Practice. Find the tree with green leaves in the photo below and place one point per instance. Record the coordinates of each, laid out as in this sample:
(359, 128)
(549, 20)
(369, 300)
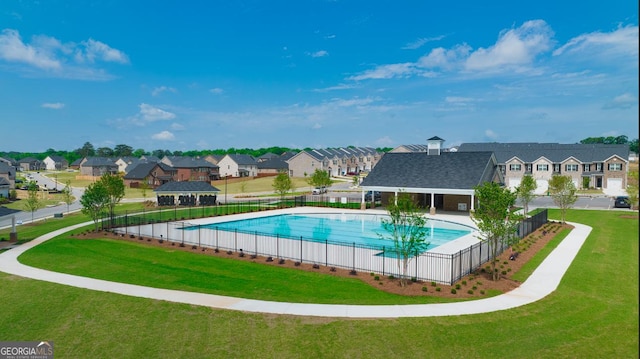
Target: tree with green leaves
(563, 191)
(67, 195)
(32, 203)
(632, 187)
(406, 228)
(525, 192)
(496, 219)
(95, 201)
(282, 184)
(114, 185)
(319, 178)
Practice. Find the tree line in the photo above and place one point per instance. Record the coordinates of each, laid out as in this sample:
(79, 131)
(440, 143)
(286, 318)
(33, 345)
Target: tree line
(123, 150)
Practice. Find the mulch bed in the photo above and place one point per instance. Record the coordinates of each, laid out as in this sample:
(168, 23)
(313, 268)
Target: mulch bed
(480, 279)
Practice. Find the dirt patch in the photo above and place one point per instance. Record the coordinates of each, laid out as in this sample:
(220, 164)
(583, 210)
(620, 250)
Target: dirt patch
(475, 285)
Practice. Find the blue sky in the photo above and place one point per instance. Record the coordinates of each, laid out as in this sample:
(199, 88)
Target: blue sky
(217, 74)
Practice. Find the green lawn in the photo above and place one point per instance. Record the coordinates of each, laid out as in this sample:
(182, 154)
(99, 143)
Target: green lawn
(594, 313)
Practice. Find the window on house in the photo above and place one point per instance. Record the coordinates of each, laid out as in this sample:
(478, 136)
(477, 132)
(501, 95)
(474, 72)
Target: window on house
(598, 167)
(615, 166)
(571, 168)
(586, 167)
(335, 162)
(516, 167)
(542, 167)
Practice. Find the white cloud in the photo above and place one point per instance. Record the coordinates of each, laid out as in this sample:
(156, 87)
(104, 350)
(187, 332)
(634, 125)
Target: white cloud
(623, 101)
(624, 40)
(490, 135)
(420, 42)
(217, 91)
(387, 72)
(321, 53)
(177, 127)
(54, 105)
(316, 126)
(66, 60)
(158, 90)
(515, 47)
(12, 49)
(163, 136)
(337, 87)
(149, 113)
(443, 58)
(92, 50)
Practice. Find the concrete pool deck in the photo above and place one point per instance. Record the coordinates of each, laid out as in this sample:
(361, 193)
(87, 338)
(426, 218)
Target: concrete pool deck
(542, 282)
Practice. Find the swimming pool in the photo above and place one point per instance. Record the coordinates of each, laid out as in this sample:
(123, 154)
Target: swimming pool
(347, 229)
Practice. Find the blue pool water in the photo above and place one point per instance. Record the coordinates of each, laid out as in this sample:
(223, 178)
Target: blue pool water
(361, 229)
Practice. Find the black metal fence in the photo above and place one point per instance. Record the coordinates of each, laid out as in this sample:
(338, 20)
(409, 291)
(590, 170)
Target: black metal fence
(172, 224)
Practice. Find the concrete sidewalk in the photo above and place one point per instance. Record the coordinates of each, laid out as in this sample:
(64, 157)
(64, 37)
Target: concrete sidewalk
(544, 280)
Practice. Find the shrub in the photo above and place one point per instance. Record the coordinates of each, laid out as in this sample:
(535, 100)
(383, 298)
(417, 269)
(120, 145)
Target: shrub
(376, 277)
(316, 266)
(414, 279)
(482, 292)
(470, 291)
(269, 259)
(474, 287)
(458, 286)
(438, 289)
(372, 274)
(464, 282)
(424, 289)
(332, 269)
(229, 252)
(453, 291)
(194, 247)
(504, 272)
(391, 277)
(433, 284)
(281, 261)
(297, 264)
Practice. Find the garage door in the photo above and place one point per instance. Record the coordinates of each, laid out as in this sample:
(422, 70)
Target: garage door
(542, 186)
(614, 184)
(513, 183)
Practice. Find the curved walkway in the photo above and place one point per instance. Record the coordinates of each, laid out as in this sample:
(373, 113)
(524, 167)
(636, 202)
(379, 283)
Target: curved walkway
(544, 280)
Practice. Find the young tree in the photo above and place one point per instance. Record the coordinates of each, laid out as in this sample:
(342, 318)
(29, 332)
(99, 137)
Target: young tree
(632, 187)
(67, 195)
(563, 192)
(406, 228)
(144, 187)
(115, 190)
(496, 219)
(32, 203)
(525, 193)
(319, 178)
(282, 184)
(94, 201)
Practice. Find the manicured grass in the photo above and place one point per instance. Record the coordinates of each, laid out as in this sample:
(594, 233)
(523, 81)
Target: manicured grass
(532, 264)
(128, 262)
(593, 314)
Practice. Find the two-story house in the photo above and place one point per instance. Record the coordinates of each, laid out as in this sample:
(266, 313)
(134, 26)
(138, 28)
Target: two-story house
(98, 166)
(55, 163)
(588, 165)
(238, 165)
(153, 174)
(192, 169)
(343, 161)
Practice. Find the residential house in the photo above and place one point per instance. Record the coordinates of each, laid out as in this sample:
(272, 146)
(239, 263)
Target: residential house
(5, 186)
(98, 166)
(434, 179)
(8, 173)
(238, 165)
(342, 161)
(192, 169)
(9, 161)
(213, 159)
(272, 167)
(588, 165)
(30, 164)
(422, 148)
(150, 173)
(266, 157)
(125, 164)
(75, 165)
(55, 163)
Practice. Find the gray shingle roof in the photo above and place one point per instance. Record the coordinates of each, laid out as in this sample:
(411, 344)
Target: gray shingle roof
(243, 159)
(186, 187)
(140, 171)
(449, 170)
(274, 163)
(99, 162)
(555, 152)
(188, 162)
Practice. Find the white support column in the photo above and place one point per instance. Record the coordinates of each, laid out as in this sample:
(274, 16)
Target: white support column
(473, 201)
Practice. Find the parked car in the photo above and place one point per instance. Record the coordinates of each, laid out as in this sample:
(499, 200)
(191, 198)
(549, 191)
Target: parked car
(377, 196)
(622, 202)
(319, 190)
